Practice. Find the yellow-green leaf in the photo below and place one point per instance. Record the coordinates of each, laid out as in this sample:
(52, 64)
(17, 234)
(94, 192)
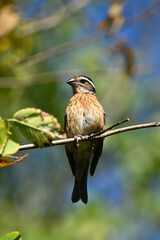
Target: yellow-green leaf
(12, 236)
(3, 132)
(9, 142)
(37, 126)
(12, 143)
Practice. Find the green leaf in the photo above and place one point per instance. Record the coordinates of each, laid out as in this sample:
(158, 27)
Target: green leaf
(12, 144)
(4, 129)
(12, 236)
(37, 126)
(9, 141)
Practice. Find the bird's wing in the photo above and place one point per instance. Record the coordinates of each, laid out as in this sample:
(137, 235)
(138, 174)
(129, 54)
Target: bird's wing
(65, 122)
(71, 161)
(69, 154)
(96, 156)
(97, 152)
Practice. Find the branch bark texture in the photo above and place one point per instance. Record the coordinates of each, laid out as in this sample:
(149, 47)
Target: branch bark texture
(103, 135)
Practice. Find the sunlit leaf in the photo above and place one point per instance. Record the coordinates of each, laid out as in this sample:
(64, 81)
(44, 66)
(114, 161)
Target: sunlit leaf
(114, 19)
(4, 129)
(11, 145)
(37, 126)
(9, 160)
(9, 141)
(9, 19)
(12, 236)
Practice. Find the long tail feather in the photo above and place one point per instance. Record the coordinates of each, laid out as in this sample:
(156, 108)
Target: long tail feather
(83, 187)
(75, 193)
(80, 187)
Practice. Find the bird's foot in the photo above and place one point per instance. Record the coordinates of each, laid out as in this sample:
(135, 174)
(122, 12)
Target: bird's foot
(91, 136)
(77, 140)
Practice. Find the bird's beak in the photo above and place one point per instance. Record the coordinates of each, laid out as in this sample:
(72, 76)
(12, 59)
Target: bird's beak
(72, 82)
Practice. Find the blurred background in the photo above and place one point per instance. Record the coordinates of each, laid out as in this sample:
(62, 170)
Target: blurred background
(116, 43)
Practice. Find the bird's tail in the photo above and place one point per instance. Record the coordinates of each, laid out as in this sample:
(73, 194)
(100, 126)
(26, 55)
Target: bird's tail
(80, 187)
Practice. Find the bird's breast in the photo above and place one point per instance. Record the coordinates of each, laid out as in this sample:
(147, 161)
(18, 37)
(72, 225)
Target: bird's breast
(85, 115)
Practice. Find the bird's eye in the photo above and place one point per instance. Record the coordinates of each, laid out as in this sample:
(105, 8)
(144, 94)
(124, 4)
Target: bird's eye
(82, 81)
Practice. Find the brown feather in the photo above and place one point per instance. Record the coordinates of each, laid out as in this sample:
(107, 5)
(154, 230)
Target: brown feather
(84, 116)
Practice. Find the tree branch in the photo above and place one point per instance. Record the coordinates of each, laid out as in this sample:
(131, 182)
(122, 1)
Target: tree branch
(37, 79)
(103, 135)
(54, 20)
(86, 40)
(70, 8)
(59, 50)
(146, 14)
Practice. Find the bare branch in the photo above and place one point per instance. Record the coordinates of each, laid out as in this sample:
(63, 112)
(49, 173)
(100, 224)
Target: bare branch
(146, 14)
(60, 49)
(103, 135)
(54, 20)
(60, 75)
(77, 43)
(113, 126)
(70, 8)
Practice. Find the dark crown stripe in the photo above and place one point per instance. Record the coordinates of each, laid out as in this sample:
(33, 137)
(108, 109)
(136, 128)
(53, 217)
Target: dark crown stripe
(88, 79)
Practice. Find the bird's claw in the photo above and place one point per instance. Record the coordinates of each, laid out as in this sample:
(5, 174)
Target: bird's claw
(91, 136)
(77, 140)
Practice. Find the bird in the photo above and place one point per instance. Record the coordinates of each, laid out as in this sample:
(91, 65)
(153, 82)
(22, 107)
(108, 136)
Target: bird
(84, 116)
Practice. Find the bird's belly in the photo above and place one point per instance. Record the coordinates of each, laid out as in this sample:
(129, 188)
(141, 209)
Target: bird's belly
(85, 124)
(90, 124)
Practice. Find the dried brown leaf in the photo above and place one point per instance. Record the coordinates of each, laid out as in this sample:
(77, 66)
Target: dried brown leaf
(9, 19)
(8, 160)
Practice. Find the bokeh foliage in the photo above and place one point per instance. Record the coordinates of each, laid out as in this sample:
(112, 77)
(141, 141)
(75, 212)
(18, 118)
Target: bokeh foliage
(109, 41)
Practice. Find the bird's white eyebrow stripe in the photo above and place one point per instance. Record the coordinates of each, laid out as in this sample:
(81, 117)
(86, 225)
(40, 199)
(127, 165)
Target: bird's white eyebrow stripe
(89, 82)
(71, 79)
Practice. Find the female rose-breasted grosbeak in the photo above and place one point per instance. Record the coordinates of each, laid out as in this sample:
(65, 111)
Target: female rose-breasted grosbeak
(84, 116)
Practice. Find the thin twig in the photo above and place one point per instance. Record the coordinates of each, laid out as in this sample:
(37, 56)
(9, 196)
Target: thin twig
(59, 75)
(53, 20)
(146, 14)
(77, 43)
(113, 126)
(70, 8)
(104, 135)
(59, 50)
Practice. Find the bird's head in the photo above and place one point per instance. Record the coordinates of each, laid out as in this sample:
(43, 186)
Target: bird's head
(82, 84)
